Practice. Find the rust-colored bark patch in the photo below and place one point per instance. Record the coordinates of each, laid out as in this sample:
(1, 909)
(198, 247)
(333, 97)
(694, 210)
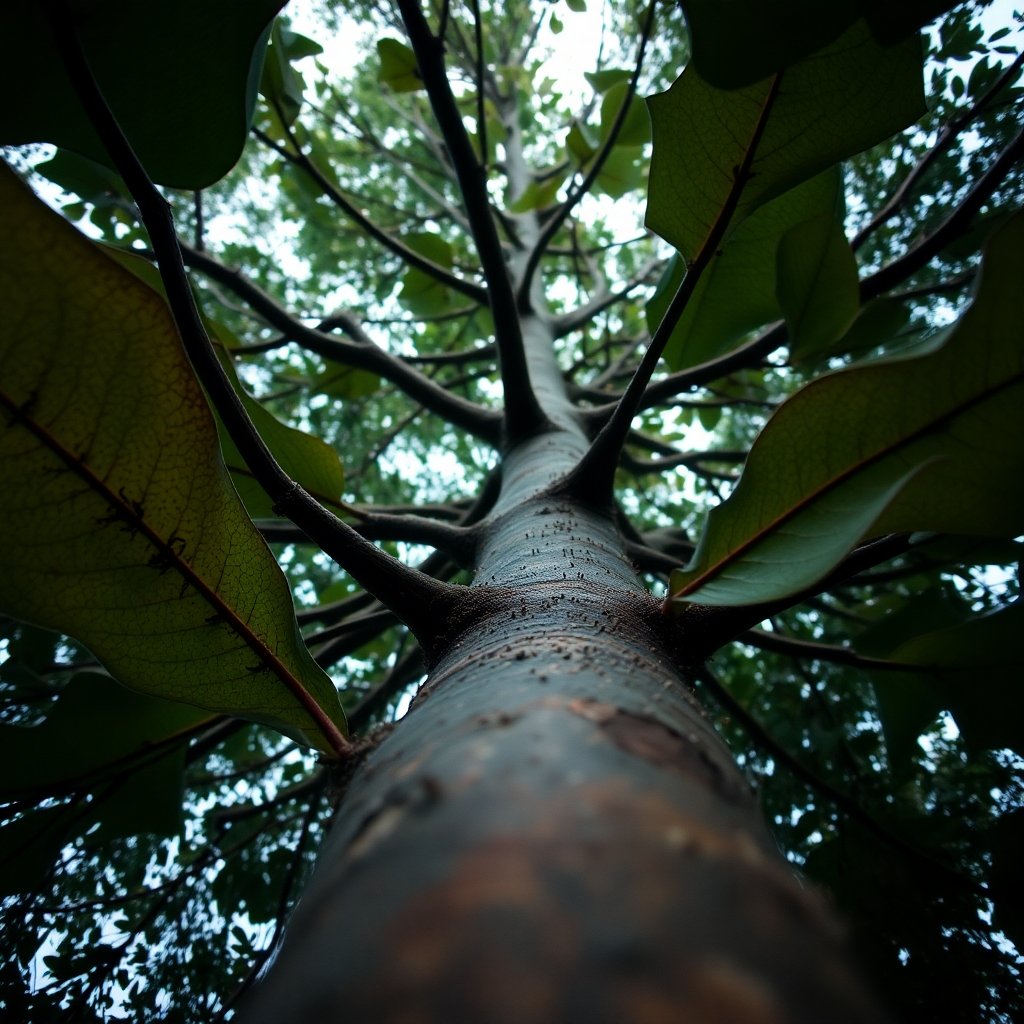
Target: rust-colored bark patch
(659, 744)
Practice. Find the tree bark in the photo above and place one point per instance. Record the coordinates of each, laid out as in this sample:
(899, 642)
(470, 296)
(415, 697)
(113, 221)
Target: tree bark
(554, 833)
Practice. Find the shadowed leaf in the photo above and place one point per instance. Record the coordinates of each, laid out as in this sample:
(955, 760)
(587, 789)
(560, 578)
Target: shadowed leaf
(915, 443)
(186, 112)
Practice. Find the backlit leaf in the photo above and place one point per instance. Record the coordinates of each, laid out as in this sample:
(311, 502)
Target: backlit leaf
(114, 486)
(398, 68)
(833, 104)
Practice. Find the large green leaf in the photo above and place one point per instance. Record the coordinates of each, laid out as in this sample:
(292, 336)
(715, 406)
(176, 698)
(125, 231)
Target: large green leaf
(817, 283)
(790, 126)
(179, 75)
(422, 293)
(96, 727)
(398, 67)
(122, 527)
(118, 754)
(736, 42)
(924, 442)
(737, 292)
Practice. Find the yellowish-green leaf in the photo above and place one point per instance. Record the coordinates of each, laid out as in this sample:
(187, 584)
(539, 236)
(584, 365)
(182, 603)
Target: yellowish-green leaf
(538, 194)
(636, 127)
(915, 443)
(308, 460)
(398, 67)
(602, 81)
(422, 293)
(122, 527)
(580, 148)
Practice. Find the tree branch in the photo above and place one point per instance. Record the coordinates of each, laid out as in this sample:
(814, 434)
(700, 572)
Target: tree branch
(361, 353)
(409, 593)
(660, 391)
(558, 218)
(523, 414)
(408, 256)
(715, 626)
(847, 804)
(582, 315)
(946, 137)
(593, 478)
(958, 222)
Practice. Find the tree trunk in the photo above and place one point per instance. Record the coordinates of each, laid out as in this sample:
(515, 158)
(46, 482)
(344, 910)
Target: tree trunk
(554, 833)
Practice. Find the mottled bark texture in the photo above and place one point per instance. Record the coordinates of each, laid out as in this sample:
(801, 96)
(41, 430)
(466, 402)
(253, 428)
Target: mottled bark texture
(554, 833)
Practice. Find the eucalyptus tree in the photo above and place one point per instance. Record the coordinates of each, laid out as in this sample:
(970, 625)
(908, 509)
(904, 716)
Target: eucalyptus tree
(412, 346)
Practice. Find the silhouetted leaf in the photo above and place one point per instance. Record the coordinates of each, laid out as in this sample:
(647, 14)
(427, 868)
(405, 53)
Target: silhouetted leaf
(186, 113)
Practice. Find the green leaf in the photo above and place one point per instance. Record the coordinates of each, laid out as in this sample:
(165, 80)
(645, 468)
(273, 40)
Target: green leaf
(818, 284)
(879, 323)
(114, 485)
(187, 106)
(621, 172)
(579, 6)
(636, 129)
(346, 381)
(423, 294)
(737, 42)
(737, 292)
(120, 754)
(88, 179)
(398, 68)
(839, 102)
(96, 727)
(975, 671)
(538, 195)
(281, 84)
(579, 146)
(914, 443)
(307, 459)
(602, 81)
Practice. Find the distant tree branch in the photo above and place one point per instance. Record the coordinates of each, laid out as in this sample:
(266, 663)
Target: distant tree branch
(958, 222)
(593, 478)
(945, 139)
(409, 256)
(558, 218)
(750, 353)
(794, 647)
(360, 353)
(582, 315)
(523, 414)
(843, 801)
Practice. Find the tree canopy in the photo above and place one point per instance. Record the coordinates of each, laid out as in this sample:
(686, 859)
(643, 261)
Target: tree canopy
(263, 356)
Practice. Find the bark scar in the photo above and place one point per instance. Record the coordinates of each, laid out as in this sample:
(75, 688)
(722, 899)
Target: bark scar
(657, 743)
